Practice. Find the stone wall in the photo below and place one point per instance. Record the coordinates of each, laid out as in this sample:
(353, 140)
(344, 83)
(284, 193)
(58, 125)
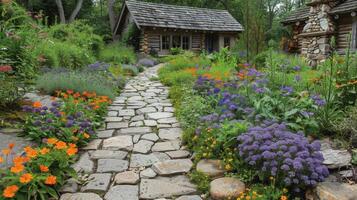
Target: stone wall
(317, 32)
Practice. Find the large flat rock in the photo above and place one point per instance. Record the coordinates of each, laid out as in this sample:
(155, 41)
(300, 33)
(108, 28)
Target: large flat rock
(142, 160)
(154, 188)
(80, 196)
(170, 167)
(332, 191)
(166, 146)
(170, 133)
(212, 168)
(122, 142)
(98, 183)
(123, 192)
(226, 188)
(160, 115)
(112, 165)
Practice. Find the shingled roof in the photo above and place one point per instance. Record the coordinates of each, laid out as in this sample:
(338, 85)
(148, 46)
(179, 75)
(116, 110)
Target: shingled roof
(347, 6)
(300, 14)
(147, 14)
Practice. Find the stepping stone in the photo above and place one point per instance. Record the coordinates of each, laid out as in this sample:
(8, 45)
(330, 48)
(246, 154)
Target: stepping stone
(112, 113)
(70, 186)
(164, 126)
(137, 118)
(143, 146)
(170, 120)
(135, 98)
(124, 142)
(189, 197)
(148, 173)
(123, 192)
(113, 119)
(135, 130)
(160, 115)
(98, 183)
(212, 168)
(169, 109)
(154, 188)
(151, 136)
(93, 145)
(178, 154)
(127, 112)
(105, 134)
(84, 164)
(166, 146)
(136, 138)
(108, 154)
(142, 160)
(147, 110)
(170, 133)
(117, 125)
(226, 188)
(150, 123)
(170, 167)
(136, 124)
(114, 108)
(81, 196)
(112, 165)
(128, 177)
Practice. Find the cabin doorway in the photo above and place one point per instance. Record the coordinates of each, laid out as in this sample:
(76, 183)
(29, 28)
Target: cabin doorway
(211, 42)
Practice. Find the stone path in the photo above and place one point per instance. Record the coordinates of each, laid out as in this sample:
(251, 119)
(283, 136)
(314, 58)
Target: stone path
(139, 154)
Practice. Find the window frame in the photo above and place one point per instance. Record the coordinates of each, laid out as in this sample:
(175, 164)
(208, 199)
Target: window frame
(229, 42)
(162, 43)
(172, 40)
(189, 42)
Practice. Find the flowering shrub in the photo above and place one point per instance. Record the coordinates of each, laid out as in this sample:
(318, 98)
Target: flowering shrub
(274, 151)
(39, 173)
(73, 120)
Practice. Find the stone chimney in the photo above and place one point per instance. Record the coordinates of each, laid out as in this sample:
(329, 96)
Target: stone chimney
(317, 32)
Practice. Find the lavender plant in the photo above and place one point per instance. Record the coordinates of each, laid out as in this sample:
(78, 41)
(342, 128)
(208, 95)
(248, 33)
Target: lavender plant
(277, 153)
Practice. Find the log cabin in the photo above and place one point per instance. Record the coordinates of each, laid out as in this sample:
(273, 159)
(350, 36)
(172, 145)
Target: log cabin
(315, 24)
(161, 27)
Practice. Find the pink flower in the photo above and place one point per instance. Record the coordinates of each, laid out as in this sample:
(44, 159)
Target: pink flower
(5, 68)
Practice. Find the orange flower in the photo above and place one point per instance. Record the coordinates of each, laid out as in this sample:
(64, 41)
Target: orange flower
(19, 160)
(69, 91)
(61, 145)
(17, 168)
(44, 151)
(283, 197)
(44, 168)
(52, 140)
(72, 151)
(71, 145)
(11, 145)
(1, 159)
(86, 135)
(6, 151)
(30, 152)
(26, 178)
(37, 104)
(76, 95)
(10, 191)
(51, 180)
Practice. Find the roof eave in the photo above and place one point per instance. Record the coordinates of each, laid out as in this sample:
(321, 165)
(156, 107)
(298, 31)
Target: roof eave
(124, 6)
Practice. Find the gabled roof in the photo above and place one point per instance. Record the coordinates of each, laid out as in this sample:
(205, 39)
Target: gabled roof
(147, 14)
(347, 6)
(300, 14)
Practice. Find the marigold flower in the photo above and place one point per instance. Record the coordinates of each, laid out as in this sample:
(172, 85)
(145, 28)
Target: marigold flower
(72, 151)
(17, 168)
(11, 145)
(44, 151)
(76, 95)
(26, 178)
(30, 152)
(18, 160)
(51, 180)
(69, 91)
(86, 135)
(6, 151)
(10, 191)
(37, 104)
(71, 145)
(44, 168)
(1, 159)
(61, 145)
(283, 197)
(52, 140)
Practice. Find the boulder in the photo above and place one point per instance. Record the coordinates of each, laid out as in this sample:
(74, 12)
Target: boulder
(212, 168)
(226, 188)
(332, 191)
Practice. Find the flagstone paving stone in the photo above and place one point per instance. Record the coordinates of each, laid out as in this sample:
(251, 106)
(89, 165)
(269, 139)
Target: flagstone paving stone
(140, 142)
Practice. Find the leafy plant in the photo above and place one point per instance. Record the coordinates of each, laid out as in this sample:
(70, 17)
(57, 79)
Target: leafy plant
(201, 180)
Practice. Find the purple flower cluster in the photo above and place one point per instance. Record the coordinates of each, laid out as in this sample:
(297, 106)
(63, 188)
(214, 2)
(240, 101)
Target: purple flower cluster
(286, 90)
(318, 100)
(275, 151)
(205, 86)
(98, 66)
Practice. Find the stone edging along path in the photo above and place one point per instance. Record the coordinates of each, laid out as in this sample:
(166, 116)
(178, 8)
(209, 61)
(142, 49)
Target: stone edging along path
(139, 154)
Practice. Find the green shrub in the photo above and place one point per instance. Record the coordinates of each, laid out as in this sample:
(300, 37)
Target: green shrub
(63, 54)
(201, 180)
(130, 70)
(118, 53)
(10, 93)
(177, 78)
(76, 81)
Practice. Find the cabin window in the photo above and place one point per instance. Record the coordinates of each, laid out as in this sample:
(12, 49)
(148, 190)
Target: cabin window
(186, 42)
(227, 42)
(176, 41)
(165, 42)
